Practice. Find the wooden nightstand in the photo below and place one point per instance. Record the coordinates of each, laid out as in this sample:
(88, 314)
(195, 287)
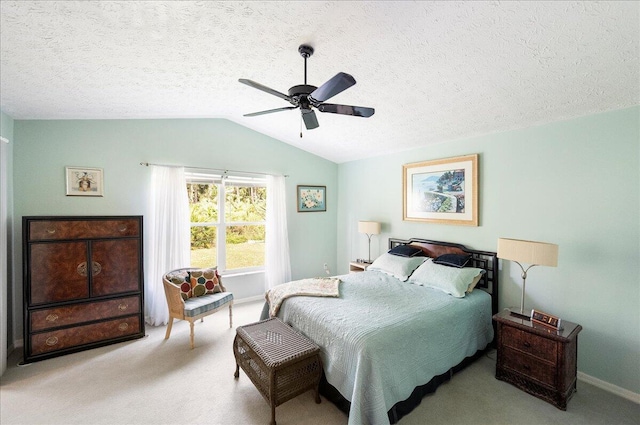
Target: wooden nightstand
(355, 267)
(537, 359)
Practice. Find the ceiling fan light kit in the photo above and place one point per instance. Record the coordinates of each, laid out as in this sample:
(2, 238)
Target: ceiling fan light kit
(307, 97)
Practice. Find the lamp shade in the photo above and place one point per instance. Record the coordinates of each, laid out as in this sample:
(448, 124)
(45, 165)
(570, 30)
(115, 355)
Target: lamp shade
(529, 252)
(369, 227)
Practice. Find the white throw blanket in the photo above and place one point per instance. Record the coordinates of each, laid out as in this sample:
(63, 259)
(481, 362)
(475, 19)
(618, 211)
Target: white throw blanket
(314, 287)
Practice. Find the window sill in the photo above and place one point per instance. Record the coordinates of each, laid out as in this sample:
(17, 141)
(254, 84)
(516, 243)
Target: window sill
(237, 274)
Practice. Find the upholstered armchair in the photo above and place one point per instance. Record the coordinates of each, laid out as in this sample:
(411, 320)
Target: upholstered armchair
(193, 294)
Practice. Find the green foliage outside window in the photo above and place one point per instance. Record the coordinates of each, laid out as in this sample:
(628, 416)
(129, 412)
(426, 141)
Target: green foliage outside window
(244, 243)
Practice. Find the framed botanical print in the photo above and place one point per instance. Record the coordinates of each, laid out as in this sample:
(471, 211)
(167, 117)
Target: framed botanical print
(442, 191)
(312, 198)
(83, 181)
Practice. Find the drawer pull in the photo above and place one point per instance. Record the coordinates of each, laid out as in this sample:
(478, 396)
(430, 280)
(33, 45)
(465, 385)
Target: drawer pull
(82, 269)
(96, 268)
(51, 231)
(123, 306)
(526, 367)
(51, 318)
(527, 344)
(122, 228)
(51, 341)
(123, 326)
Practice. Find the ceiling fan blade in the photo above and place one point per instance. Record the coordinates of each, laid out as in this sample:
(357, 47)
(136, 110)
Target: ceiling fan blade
(339, 83)
(310, 120)
(255, 114)
(265, 89)
(358, 111)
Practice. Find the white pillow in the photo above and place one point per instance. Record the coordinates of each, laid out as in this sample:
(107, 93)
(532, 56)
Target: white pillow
(451, 280)
(399, 267)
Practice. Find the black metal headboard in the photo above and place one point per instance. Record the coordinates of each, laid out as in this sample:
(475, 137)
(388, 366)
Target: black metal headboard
(481, 259)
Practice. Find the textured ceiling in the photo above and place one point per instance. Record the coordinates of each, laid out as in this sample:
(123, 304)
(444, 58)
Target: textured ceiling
(433, 71)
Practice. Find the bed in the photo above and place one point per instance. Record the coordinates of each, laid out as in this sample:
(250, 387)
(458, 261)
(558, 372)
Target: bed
(387, 342)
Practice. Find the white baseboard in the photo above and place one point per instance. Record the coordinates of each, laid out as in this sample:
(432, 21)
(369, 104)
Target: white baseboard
(249, 299)
(619, 391)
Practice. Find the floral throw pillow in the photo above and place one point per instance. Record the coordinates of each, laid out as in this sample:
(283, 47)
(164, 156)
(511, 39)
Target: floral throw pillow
(204, 281)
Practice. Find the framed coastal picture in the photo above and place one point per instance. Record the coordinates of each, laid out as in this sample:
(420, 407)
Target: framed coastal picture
(83, 181)
(312, 198)
(442, 191)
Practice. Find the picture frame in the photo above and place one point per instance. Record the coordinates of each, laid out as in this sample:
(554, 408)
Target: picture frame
(84, 181)
(441, 191)
(312, 198)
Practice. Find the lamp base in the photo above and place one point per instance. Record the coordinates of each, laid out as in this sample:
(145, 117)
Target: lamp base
(519, 313)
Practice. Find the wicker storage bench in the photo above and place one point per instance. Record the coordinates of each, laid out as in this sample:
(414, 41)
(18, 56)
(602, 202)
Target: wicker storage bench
(280, 362)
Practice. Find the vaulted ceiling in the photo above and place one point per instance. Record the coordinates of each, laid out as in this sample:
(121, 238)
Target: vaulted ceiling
(434, 71)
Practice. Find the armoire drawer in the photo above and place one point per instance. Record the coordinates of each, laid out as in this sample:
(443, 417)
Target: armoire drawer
(63, 339)
(50, 318)
(82, 229)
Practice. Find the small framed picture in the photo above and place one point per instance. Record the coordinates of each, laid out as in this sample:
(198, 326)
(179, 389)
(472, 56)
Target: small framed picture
(312, 198)
(546, 319)
(83, 181)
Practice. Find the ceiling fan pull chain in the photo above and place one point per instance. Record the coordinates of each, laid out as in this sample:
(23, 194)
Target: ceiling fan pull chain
(301, 126)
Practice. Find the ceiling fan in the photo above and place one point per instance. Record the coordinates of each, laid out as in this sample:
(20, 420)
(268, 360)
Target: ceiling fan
(307, 97)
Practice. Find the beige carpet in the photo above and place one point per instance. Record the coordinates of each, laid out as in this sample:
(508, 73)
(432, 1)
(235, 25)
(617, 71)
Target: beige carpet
(153, 381)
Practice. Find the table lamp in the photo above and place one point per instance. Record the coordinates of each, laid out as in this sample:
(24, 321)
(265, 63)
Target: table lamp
(529, 252)
(369, 228)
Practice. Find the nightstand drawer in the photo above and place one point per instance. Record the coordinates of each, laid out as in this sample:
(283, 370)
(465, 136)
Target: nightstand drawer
(530, 366)
(529, 343)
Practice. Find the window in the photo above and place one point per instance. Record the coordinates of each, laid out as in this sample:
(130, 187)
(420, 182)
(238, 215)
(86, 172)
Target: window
(228, 220)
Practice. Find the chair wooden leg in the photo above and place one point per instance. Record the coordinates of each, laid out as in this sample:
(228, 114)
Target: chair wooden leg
(166, 336)
(192, 337)
(230, 316)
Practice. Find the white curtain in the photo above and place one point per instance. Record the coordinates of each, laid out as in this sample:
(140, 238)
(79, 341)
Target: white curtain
(4, 249)
(169, 242)
(278, 265)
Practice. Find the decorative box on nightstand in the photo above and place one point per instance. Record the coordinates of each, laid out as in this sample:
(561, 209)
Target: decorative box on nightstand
(355, 266)
(537, 359)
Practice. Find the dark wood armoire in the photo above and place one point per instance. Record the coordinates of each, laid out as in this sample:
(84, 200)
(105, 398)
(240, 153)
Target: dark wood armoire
(83, 283)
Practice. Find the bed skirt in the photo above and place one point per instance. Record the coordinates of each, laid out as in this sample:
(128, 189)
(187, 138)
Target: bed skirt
(401, 408)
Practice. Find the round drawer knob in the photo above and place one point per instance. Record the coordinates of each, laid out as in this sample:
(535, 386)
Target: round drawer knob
(51, 341)
(82, 269)
(123, 326)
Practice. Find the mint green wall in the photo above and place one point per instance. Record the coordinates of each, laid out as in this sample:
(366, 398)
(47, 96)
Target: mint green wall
(43, 149)
(574, 183)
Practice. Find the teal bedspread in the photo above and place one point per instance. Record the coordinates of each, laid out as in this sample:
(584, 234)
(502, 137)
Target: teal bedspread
(382, 338)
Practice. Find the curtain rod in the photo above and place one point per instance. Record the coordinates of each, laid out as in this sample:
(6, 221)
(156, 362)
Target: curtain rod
(224, 171)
